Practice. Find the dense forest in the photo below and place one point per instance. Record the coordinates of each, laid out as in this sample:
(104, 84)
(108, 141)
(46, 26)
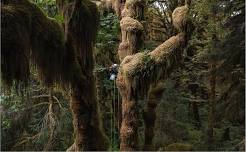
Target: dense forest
(122, 75)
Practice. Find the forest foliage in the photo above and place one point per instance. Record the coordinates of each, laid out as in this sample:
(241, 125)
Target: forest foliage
(35, 117)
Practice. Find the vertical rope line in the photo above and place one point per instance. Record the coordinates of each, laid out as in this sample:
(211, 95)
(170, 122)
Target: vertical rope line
(118, 102)
(111, 125)
(114, 113)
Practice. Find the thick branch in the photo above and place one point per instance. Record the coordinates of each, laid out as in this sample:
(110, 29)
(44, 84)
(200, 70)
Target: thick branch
(142, 69)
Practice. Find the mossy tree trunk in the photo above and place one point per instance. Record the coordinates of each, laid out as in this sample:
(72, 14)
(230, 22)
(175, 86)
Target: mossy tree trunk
(30, 37)
(196, 114)
(131, 28)
(212, 83)
(138, 71)
(129, 124)
(81, 23)
(87, 127)
(131, 12)
(149, 115)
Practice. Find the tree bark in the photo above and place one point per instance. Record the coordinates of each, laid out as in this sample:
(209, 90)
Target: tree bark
(149, 115)
(131, 31)
(212, 83)
(129, 125)
(80, 38)
(87, 127)
(196, 114)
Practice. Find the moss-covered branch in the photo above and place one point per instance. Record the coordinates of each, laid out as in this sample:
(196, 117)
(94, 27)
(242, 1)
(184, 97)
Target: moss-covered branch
(142, 69)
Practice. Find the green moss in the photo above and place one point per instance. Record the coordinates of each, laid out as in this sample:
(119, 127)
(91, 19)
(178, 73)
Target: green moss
(48, 46)
(15, 40)
(179, 147)
(29, 37)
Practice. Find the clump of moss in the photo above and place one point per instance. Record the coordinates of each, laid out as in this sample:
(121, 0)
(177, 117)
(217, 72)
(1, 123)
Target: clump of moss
(28, 36)
(15, 46)
(47, 47)
(122, 50)
(179, 16)
(131, 36)
(133, 9)
(179, 147)
(130, 24)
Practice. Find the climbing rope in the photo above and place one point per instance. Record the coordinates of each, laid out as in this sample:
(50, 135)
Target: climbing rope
(118, 102)
(114, 115)
(115, 123)
(115, 104)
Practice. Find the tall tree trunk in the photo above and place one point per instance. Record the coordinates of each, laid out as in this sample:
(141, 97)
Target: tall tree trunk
(149, 115)
(212, 83)
(80, 37)
(129, 125)
(136, 74)
(87, 127)
(196, 114)
(132, 12)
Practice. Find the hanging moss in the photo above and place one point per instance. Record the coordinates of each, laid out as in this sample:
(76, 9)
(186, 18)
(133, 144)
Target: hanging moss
(15, 40)
(132, 31)
(138, 71)
(28, 36)
(48, 47)
(82, 29)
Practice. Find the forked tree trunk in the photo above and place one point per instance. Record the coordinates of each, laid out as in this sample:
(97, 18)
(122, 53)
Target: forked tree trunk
(137, 72)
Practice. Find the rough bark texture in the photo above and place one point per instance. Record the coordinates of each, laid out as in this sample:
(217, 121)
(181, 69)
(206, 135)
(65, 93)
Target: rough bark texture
(149, 115)
(84, 106)
(87, 127)
(196, 114)
(132, 12)
(212, 83)
(137, 72)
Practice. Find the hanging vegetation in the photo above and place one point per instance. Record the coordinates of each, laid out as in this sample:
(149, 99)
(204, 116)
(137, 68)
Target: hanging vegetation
(31, 38)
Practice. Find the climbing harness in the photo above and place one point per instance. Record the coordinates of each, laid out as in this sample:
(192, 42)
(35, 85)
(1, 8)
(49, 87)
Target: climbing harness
(113, 71)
